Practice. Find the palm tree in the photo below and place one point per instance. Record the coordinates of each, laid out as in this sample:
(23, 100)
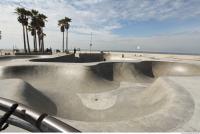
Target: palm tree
(36, 27)
(41, 24)
(67, 20)
(42, 40)
(21, 12)
(64, 24)
(33, 25)
(27, 15)
(62, 29)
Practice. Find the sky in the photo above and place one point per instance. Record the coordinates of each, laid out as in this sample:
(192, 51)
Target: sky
(153, 25)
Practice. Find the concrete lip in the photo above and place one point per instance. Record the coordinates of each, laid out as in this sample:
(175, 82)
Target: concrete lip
(111, 96)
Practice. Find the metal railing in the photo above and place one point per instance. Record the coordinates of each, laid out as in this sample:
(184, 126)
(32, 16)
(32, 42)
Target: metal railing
(32, 120)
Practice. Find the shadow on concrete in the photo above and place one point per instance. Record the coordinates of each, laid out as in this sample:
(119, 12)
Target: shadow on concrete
(80, 58)
(38, 100)
(7, 58)
(23, 92)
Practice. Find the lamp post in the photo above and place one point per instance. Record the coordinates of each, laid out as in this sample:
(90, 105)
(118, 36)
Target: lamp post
(90, 43)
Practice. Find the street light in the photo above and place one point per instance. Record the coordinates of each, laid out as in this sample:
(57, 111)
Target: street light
(90, 48)
(90, 43)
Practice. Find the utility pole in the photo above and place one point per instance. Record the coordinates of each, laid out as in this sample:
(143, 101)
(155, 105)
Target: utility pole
(90, 43)
(0, 39)
(13, 49)
(0, 34)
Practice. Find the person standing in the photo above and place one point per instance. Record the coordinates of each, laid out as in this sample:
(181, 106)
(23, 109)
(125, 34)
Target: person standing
(74, 50)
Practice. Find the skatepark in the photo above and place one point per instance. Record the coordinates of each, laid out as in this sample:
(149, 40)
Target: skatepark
(100, 66)
(134, 93)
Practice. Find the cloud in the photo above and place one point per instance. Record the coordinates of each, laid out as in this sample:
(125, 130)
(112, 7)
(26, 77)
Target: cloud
(101, 17)
(106, 14)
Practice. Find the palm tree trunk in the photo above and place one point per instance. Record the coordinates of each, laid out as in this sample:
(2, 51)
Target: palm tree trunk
(27, 40)
(25, 50)
(67, 40)
(39, 43)
(63, 41)
(43, 44)
(34, 43)
(35, 40)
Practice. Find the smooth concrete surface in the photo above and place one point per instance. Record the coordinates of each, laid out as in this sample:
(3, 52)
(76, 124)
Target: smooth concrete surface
(145, 93)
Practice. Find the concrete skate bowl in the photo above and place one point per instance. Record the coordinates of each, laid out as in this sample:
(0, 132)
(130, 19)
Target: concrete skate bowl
(81, 58)
(9, 58)
(107, 96)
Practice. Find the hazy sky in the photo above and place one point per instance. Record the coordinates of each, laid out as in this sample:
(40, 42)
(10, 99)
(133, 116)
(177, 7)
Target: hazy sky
(154, 25)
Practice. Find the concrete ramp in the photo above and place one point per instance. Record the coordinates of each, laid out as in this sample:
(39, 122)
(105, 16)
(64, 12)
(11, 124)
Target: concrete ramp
(175, 69)
(163, 107)
(144, 71)
(107, 96)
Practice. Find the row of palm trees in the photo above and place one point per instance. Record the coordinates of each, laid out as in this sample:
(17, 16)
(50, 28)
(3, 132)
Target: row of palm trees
(34, 22)
(64, 26)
